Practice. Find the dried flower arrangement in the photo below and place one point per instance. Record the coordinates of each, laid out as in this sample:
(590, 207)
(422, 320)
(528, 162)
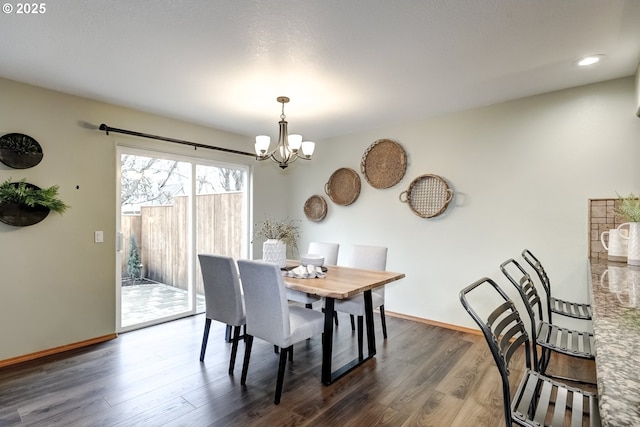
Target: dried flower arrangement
(286, 230)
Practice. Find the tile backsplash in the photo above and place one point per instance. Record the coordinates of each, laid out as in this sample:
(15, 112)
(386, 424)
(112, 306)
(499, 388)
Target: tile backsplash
(602, 217)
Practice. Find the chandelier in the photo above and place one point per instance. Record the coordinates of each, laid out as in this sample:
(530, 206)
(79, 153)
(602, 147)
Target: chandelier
(289, 148)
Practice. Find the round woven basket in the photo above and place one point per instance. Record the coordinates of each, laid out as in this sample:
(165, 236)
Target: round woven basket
(427, 196)
(384, 163)
(343, 187)
(315, 208)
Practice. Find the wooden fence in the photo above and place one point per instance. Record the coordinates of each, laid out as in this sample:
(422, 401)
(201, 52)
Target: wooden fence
(163, 237)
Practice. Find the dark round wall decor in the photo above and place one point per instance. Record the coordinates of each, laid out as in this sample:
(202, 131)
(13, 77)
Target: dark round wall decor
(19, 151)
(21, 215)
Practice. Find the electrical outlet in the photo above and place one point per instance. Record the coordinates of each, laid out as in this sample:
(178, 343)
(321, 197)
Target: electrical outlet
(98, 237)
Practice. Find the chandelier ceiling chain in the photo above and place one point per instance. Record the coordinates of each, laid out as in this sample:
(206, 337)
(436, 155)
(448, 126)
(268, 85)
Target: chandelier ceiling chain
(289, 147)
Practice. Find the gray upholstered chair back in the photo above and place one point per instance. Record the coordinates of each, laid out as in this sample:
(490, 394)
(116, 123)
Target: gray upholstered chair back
(222, 289)
(369, 258)
(328, 250)
(266, 302)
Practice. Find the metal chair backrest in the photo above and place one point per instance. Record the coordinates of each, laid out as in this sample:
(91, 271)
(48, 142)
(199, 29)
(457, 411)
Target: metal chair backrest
(576, 310)
(529, 294)
(504, 332)
(542, 275)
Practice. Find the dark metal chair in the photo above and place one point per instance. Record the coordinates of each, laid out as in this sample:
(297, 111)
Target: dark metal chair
(538, 400)
(564, 308)
(550, 337)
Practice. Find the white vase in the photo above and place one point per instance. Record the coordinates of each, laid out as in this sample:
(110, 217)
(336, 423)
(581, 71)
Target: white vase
(633, 246)
(275, 251)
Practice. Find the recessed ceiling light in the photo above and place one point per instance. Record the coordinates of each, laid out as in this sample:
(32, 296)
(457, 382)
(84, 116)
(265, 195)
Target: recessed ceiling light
(589, 60)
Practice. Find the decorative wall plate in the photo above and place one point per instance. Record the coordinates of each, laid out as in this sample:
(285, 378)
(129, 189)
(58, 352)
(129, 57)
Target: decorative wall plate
(384, 163)
(19, 151)
(428, 196)
(315, 208)
(343, 187)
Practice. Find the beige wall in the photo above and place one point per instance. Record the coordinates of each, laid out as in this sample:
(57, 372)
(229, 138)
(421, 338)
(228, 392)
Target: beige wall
(57, 286)
(522, 172)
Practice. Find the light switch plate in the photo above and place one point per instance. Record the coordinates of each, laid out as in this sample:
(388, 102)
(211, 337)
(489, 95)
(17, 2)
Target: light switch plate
(98, 237)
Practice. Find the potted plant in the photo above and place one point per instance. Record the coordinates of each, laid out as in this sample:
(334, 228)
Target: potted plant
(19, 151)
(629, 207)
(22, 203)
(279, 235)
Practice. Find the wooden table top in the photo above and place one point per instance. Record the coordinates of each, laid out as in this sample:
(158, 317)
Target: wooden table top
(343, 282)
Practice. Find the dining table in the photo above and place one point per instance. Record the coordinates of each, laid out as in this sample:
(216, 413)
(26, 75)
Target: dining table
(341, 282)
(615, 300)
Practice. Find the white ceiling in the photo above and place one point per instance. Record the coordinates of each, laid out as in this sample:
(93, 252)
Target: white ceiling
(347, 65)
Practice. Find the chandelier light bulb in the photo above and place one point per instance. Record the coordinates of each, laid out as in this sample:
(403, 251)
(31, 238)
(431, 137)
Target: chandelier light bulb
(308, 148)
(295, 141)
(262, 145)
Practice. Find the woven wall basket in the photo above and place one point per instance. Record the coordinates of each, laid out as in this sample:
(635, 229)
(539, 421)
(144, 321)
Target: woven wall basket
(384, 163)
(343, 187)
(315, 208)
(427, 196)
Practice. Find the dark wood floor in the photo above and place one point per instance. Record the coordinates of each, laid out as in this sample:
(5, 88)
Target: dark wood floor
(421, 376)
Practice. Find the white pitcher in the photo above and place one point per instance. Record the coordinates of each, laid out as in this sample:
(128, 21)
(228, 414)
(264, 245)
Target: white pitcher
(633, 245)
(615, 242)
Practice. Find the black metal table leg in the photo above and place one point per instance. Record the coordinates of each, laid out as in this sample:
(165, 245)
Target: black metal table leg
(327, 344)
(368, 314)
(327, 341)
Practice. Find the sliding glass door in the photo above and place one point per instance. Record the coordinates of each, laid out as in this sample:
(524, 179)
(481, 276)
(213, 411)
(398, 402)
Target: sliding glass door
(172, 208)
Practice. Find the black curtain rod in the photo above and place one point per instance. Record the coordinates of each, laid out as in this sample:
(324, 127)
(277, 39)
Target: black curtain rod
(195, 145)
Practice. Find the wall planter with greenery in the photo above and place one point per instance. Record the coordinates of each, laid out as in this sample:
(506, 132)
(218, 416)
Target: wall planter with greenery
(19, 151)
(24, 204)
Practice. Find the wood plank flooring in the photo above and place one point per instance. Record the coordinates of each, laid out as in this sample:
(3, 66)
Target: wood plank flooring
(421, 376)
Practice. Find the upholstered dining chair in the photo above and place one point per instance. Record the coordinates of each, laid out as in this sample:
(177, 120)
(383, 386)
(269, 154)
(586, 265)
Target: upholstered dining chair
(367, 258)
(328, 250)
(223, 298)
(330, 253)
(271, 318)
